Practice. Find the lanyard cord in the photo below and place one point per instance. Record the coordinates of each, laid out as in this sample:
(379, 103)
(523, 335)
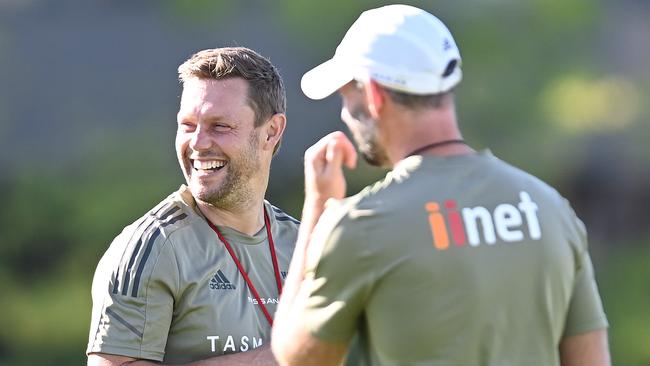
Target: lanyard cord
(274, 259)
(435, 145)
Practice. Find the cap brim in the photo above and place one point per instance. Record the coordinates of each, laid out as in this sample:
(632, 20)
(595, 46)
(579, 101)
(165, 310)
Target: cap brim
(325, 79)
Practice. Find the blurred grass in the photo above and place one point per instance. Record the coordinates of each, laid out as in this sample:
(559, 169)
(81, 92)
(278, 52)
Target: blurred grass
(55, 227)
(45, 322)
(624, 281)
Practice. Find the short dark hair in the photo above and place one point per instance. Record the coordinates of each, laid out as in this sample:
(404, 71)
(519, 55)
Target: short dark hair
(415, 101)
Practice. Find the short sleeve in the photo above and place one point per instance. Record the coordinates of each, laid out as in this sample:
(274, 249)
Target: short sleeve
(133, 303)
(585, 311)
(338, 279)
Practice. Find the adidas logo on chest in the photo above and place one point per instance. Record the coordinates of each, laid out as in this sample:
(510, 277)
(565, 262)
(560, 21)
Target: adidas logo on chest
(220, 282)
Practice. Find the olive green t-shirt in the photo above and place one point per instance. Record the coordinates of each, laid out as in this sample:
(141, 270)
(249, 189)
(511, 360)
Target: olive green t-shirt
(459, 260)
(167, 289)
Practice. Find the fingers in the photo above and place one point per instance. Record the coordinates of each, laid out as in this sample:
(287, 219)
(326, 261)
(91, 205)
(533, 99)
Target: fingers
(324, 162)
(339, 150)
(333, 154)
(350, 155)
(344, 149)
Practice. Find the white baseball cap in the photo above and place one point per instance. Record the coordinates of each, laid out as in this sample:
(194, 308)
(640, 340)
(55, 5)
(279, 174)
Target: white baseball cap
(400, 47)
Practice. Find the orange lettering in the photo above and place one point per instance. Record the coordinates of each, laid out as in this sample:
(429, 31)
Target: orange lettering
(438, 228)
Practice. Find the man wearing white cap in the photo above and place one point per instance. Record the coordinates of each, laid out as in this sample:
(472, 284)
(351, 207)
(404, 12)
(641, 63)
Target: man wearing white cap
(456, 257)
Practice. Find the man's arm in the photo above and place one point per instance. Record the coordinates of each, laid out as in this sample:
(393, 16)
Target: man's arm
(261, 356)
(324, 179)
(585, 329)
(588, 349)
(103, 359)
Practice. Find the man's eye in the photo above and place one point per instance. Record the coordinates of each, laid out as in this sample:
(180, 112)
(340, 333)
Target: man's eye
(222, 127)
(187, 126)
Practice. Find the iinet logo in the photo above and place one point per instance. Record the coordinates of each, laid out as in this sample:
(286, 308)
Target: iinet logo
(505, 222)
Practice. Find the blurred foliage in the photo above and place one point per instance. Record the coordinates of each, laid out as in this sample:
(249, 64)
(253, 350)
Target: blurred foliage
(577, 103)
(623, 280)
(541, 89)
(55, 227)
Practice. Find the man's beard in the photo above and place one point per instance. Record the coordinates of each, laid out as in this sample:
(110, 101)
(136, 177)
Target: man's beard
(237, 187)
(366, 137)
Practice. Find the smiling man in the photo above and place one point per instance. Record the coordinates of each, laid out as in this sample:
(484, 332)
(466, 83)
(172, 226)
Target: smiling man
(198, 277)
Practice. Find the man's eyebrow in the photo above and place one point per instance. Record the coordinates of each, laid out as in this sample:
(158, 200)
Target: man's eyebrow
(219, 118)
(185, 117)
(190, 117)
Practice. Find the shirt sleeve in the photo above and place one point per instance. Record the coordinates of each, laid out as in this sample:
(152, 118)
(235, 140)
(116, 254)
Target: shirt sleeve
(133, 298)
(585, 311)
(338, 278)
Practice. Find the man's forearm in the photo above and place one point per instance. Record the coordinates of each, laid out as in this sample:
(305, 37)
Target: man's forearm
(588, 349)
(324, 180)
(312, 210)
(261, 356)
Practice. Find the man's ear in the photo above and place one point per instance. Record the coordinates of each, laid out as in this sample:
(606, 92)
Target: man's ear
(374, 98)
(273, 130)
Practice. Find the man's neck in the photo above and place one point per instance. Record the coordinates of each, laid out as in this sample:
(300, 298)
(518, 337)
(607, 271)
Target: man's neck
(425, 128)
(247, 218)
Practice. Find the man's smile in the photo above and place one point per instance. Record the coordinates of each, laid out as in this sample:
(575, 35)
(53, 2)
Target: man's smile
(204, 167)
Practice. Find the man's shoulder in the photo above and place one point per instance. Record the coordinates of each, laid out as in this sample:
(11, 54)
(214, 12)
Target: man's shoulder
(376, 195)
(480, 176)
(133, 254)
(526, 181)
(172, 214)
(280, 216)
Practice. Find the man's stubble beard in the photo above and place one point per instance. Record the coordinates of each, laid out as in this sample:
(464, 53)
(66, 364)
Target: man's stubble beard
(366, 137)
(236, 189)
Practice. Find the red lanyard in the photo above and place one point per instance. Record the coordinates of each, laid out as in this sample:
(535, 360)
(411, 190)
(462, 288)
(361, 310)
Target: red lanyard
(274, 258)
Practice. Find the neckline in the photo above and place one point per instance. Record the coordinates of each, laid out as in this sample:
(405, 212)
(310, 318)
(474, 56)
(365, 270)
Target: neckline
(435, 145)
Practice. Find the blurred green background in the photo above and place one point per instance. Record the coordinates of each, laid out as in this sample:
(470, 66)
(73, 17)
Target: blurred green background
(89, 95)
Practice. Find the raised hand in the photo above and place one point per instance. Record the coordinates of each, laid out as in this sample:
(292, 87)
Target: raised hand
(324, 162)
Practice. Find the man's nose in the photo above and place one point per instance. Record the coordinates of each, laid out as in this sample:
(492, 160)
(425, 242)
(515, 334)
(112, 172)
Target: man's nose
(200, 139)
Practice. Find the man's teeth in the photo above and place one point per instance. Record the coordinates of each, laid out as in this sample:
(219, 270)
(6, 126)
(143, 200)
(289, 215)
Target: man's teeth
(205, 165)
